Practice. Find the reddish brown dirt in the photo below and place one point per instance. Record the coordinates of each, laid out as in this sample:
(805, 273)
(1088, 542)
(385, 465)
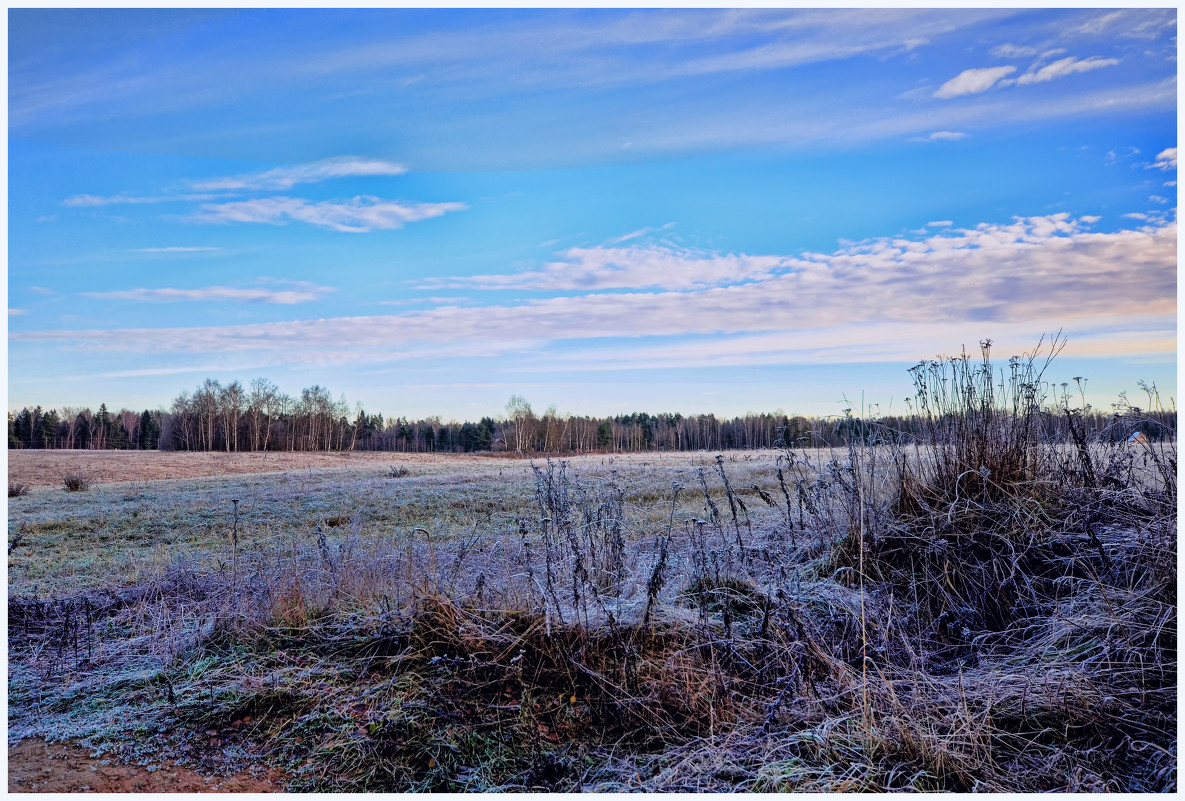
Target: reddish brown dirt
(46, 468)
(35, 766)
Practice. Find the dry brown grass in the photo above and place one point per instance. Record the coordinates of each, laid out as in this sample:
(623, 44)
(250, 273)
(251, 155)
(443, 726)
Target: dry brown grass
(44, 468)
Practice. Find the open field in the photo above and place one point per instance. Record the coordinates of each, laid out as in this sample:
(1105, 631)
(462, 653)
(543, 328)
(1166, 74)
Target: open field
(127, 529)
(873, 618)
(45, 468)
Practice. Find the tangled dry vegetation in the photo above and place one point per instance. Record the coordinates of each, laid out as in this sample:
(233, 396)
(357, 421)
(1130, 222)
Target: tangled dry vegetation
(76, 481)
(981, 609)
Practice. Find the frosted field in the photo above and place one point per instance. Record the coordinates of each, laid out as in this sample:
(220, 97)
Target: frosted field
(757, 621)
(123, 530)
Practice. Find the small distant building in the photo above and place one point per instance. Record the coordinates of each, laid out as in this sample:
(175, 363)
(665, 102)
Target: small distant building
(498, 445)
(1138, 437)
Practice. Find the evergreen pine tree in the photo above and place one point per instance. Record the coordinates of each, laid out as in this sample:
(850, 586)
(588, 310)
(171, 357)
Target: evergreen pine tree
(605, 434)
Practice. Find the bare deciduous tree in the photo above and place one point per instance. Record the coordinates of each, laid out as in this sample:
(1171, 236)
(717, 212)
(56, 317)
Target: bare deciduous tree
(519, 413)
(260, 403)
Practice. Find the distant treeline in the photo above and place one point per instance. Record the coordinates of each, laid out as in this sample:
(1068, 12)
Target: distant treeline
(68, 427)
(261, 418)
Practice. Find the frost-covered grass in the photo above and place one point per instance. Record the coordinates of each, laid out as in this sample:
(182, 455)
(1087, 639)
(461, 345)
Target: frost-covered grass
(980, 610)
(121, 533)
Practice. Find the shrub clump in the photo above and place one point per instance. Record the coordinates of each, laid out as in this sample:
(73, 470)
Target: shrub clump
(76, 481)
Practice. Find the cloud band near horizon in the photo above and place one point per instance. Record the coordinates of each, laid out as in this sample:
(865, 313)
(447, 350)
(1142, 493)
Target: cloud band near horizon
(1032, 271)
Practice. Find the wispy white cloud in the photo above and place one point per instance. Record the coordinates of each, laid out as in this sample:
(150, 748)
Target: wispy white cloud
(1063, 67)
(803, 126)
(220, 85)
(40, 290)
(1042, 271)
(286, 177)
(1148, 29)
(978, 80)
(1099, 24)
(943, 136)
(490, 57)
(1165, 160)
(556, 241)
(176, 249)
(300, 292)
(176, 370)
(940, 224)
(636, 267)
(640, 232)
(435, 301)
(694, 42)
(873, 342)
(357, 215)
(1013, 51)
(973, 81)
(15, 312)
(123, 199)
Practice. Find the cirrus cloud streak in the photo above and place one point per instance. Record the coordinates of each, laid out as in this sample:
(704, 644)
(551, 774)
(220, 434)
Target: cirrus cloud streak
(356, 215)
(1063, 67)
(286, 177)
(301, 292)
(133, 200)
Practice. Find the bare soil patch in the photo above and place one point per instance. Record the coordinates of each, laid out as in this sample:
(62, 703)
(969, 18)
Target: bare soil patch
(35, 766)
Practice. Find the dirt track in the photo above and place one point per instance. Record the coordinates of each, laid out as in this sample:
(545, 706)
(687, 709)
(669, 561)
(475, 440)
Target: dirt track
(35, 766)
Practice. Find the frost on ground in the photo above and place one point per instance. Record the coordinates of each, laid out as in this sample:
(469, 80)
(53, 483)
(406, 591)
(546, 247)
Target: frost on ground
(982, 610)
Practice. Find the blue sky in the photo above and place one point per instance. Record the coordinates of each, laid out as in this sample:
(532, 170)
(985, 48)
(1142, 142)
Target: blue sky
(608, 210)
